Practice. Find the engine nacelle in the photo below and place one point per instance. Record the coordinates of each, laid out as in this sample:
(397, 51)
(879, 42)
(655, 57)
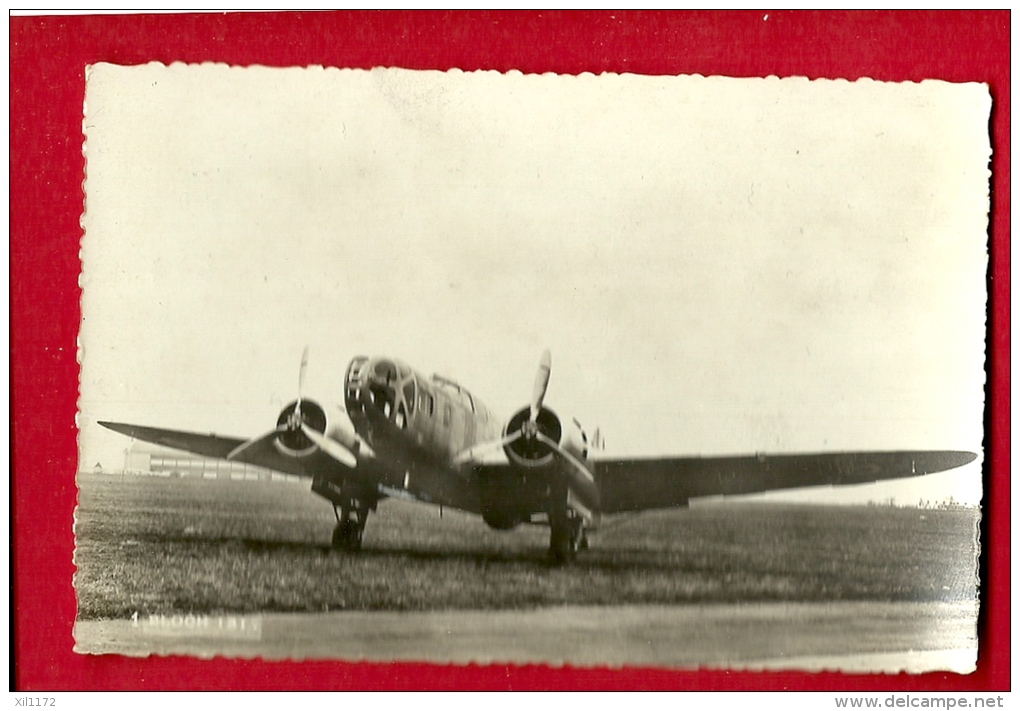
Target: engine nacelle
(291, 440)
(528, 451)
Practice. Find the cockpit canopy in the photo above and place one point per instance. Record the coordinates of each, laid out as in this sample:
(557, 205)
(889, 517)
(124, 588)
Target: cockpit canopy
(455, 391)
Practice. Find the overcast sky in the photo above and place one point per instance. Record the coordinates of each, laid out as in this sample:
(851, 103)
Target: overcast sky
(719, 266)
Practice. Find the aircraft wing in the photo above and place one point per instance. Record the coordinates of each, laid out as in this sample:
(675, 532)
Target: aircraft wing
(637, 484)
(259, 452)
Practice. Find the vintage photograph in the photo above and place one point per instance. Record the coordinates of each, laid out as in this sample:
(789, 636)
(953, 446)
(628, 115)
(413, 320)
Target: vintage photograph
(665, 371)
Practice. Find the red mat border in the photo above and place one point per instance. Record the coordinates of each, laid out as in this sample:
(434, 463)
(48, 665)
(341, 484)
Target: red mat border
(48, 56)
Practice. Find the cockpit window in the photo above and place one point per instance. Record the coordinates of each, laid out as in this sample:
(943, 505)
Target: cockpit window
(386, 370)
(409, 396)
(354, 369)
(427, 404)
(393, 390)
(382, 397)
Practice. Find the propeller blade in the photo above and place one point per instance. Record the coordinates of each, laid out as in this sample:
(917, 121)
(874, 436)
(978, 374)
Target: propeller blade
(301, 381)
(472, 452)
(244, 447)
(331, 447)
(580, 477)
(301, 372)
(541, 383)
(345, 434)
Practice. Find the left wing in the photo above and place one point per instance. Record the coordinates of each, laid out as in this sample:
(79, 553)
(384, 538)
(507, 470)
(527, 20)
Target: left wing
(208, 445)
(637, 484)
(260, 452)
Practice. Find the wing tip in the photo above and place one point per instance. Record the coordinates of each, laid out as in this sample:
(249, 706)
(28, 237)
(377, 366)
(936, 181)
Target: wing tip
(944, 461)
(115, 426)
(967, 457)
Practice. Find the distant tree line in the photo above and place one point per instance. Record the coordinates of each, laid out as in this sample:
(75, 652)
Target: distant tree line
(950, 504)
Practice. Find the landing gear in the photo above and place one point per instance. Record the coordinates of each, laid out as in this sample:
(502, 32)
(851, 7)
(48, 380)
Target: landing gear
(350, 526)
(566, 538)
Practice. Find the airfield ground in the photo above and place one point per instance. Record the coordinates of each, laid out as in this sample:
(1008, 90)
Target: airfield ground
(845, 636)
(151, 545)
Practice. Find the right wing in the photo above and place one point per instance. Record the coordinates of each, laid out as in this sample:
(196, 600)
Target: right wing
(638, 484)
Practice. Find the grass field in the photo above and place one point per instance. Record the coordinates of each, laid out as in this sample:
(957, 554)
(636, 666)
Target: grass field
(151, 545)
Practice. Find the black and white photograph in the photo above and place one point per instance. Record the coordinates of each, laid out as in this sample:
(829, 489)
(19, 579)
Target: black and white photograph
(480, 367)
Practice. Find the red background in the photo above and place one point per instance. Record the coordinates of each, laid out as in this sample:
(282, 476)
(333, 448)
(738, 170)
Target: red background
(48, 58)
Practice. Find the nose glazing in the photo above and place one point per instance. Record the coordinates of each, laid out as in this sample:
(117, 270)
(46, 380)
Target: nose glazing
(383, 385)
(373, 383)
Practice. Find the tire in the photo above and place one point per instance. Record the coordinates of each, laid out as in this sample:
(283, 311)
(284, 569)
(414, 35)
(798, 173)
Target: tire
(562, 548)
(339, 537)
(353, 538)
(347, 537)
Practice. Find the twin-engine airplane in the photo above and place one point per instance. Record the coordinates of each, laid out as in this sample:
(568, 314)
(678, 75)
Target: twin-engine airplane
(430, 440)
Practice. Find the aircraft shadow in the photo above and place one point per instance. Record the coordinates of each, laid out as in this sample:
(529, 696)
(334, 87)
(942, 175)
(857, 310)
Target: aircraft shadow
(594, 560)
(611, 559)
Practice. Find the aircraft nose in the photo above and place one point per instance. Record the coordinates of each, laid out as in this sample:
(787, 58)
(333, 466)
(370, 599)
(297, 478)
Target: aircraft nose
(373, 386)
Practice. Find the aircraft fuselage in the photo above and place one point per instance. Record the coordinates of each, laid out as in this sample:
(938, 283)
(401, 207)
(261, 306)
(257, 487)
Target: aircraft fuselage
(417, 425)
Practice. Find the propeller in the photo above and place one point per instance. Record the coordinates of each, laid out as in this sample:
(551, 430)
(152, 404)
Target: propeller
(529, 428)
(541, 385)
(293, 422)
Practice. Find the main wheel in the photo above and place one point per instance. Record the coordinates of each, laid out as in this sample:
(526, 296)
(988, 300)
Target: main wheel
(562, 545)
(353, 537)
(347, 536)
(339, 537)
